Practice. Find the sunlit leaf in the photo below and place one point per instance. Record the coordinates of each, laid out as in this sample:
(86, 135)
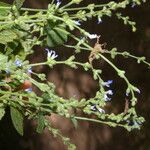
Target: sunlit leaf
(7, 36)
(3, 12)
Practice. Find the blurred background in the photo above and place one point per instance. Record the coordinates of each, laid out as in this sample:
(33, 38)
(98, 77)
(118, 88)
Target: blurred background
(77, 83)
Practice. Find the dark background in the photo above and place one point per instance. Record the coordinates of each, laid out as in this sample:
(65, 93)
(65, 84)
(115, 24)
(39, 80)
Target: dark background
(90, 136)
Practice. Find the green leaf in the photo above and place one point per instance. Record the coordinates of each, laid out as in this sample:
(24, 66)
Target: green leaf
(17, 120)
(3, 12)
(18, 3)
(3, 58)
(56, 35)
(7, 36)
(4, 4)
(3, 61)
(41, 124)
(2, 112)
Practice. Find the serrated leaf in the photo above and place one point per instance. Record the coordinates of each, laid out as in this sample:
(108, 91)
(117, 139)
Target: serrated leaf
(18, 3)
(17, 120)
(2, 112)
(55, 36)
(7, 36)
(41, 124)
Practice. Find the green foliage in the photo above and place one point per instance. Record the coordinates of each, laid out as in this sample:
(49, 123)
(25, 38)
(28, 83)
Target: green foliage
(40, 123)
(7, 36)
(18, 3)
(21, 29)
(17, 119)
(3, 12)
(55, 34)
(2, 111)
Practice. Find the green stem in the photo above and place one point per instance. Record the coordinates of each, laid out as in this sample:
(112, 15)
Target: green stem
(37, 64)
(129, 55)
(34, 10)
(97, 121)
(83, 8)
(67, 5)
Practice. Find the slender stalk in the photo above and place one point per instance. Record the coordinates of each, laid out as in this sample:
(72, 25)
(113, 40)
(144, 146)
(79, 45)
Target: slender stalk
(97, 121)
(83, 8)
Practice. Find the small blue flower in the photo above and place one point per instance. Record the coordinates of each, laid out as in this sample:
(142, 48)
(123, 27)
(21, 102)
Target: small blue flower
(107, 84)
(134, 123)
(58, 3)
(18, 63)
(29, 90)
(133, 5)
(99, 20)
(51, 54)
(127, 94)
(92, 36)
(109, 92)
(101, 110)
(138, 91)
(29, 70)
(106, 98)
(94, 108)
(77, 22)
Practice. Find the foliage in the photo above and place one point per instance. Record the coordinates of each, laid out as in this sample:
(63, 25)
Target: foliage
(23, 28)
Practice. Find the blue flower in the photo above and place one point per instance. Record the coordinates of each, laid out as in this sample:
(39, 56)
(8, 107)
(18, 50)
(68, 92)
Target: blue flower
(92, 36)
(109, 92)
(133, 5)
(106, 98)
(95, 108)
(138, 91)
(18, 63)
(58, 3)
(101, 110)
(77, 22)
(99, 20)
(51, 54)
(134, 123)
(127, 94)
(107, 84)
(29, 70)
(29, 90)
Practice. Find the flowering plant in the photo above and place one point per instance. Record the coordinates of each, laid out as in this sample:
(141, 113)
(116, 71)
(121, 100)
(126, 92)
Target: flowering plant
(23, 28)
